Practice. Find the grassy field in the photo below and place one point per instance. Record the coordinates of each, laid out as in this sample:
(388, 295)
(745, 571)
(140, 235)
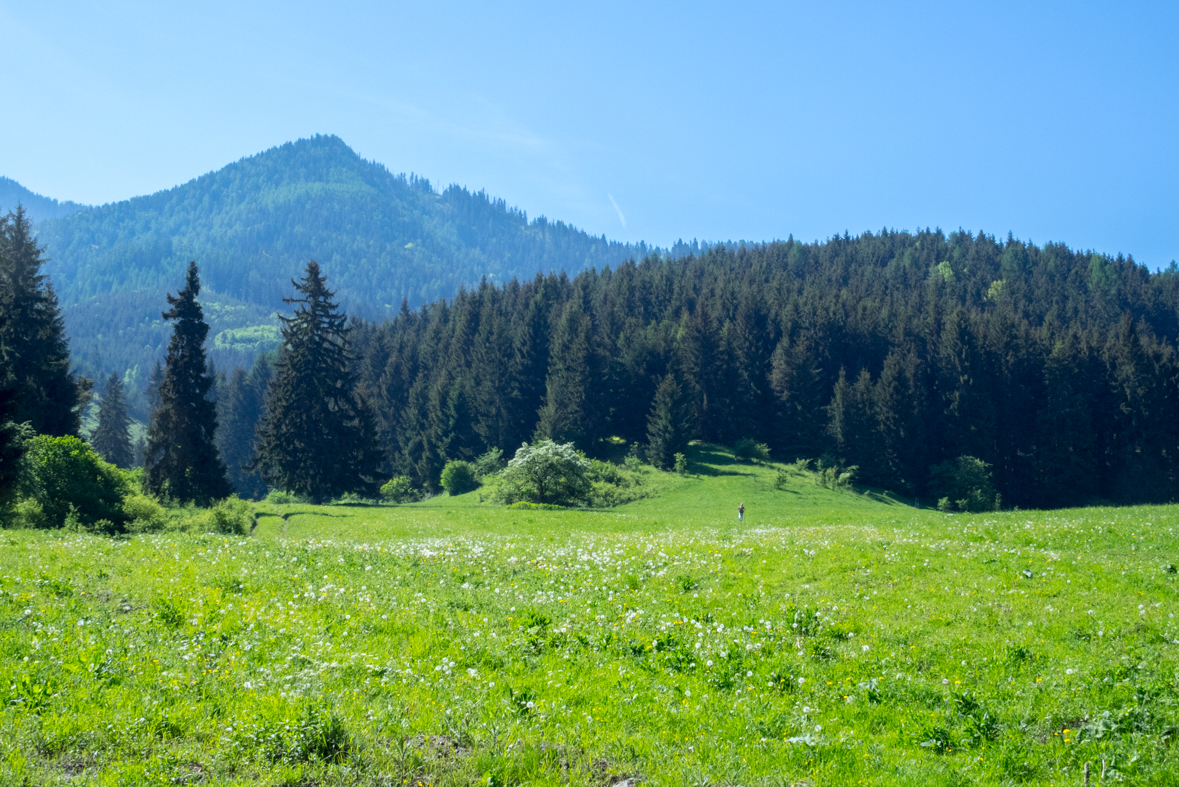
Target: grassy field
(831, 639)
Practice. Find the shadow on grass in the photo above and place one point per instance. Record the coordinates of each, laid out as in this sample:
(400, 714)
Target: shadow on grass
(707, 460)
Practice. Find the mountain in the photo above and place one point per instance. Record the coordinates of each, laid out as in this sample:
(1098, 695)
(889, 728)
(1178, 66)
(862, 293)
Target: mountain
(37, 207)
(253, 225)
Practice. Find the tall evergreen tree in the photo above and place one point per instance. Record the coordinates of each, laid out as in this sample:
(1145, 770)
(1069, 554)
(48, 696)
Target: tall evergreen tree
(112, 438)
(669, 423)
(181, 461)
(239, 413)
(567, 415)
(797, 381)
(318, 437)
(33, 345)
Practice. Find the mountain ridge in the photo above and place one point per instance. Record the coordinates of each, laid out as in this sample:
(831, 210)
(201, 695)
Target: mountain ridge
(252, 225)
(37, 206)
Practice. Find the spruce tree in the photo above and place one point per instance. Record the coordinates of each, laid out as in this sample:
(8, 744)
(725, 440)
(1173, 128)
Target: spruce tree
(112, 438)
(181, 461)
(669, 424)
(239, 412)
(318, 437)
(33, 345)
(567, 415)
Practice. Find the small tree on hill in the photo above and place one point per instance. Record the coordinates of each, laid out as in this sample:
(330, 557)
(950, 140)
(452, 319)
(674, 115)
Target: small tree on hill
(318, 436)
(112, 438)
(546, 472)
(181, 461)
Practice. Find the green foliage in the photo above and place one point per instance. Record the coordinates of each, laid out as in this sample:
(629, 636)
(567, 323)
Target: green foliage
(669, 425)
(611, 485)
(64, 481)
(964, 484)
(33, 347)
(318, 436)
(834, 476)
(398, 490)
(231, 517)
(681, 464)
(459, 477)
(489, 463)
(181, 462)
(112, 439)
(749, 450)
(144, 514)
(239, 412)
(545, 472)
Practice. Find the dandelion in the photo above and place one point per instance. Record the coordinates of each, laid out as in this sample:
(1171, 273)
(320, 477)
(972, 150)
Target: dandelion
(865, 648)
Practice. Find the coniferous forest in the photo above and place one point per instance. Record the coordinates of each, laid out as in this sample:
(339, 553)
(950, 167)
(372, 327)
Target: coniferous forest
(893, 352)
(906, 359)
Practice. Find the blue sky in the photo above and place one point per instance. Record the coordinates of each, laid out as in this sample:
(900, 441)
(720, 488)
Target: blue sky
(1054, 121)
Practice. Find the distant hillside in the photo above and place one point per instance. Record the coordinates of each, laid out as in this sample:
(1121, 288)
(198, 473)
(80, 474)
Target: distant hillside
(253, 225)
(38, 208)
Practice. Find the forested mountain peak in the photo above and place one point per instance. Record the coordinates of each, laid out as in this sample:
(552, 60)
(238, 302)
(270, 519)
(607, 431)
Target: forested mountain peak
(254, 224)
(36, 206)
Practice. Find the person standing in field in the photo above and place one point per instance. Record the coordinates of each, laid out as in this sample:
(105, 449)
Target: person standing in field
(741, 512)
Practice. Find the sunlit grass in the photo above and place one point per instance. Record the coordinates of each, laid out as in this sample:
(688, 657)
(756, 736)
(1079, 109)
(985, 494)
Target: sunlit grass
(830, 639)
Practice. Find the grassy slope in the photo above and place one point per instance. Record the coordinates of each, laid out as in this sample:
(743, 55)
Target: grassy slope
(659, 639)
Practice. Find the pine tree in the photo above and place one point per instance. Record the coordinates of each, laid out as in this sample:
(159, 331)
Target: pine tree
(669, 424)
(239, 412)
(1065, 458)
(112, 438)
(181, 461)
(33, 345)
(797, 381)
(318, 437)
(567, 415)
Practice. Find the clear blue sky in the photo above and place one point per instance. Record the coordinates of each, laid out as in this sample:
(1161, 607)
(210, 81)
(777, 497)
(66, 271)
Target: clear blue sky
(715, 121)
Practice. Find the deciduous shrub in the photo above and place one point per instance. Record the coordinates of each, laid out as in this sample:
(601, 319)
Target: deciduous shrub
(62, 480)
(398, 489)
(749, 450)
(458, 477)
(964, 484)
(144, 514)
(231, 517)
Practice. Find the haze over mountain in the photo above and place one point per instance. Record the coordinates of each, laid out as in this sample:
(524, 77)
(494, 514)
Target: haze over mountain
(254, 224)
(38, 207)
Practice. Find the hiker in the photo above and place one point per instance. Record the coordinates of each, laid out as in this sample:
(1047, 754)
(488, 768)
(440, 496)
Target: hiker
(741, 513)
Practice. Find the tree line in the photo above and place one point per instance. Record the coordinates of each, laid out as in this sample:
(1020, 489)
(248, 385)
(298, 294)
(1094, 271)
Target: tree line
(894, 352)
(905, 355)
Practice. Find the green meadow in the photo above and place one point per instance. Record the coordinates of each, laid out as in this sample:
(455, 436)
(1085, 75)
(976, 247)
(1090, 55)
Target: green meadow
(832, 638)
